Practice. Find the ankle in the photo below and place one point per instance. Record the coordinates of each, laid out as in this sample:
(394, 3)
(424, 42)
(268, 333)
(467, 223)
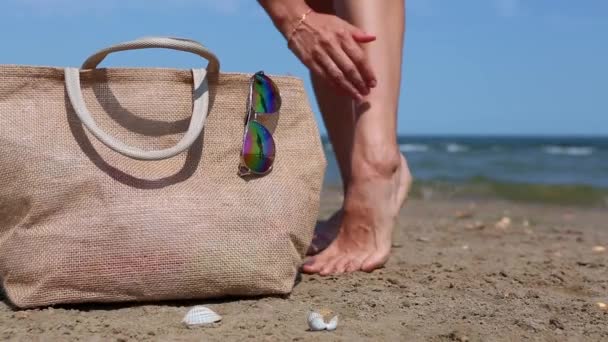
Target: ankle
(382, 160)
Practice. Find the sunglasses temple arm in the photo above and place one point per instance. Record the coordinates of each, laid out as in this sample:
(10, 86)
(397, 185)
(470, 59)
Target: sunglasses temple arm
(248, 113)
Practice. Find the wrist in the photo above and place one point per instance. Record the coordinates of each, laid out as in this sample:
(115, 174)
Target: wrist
(285, 16)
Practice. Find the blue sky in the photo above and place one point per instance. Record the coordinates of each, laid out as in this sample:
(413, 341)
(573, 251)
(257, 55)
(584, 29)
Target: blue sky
(470, 67)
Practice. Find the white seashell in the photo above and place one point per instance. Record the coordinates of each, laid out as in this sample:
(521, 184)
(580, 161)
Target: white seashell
(316, 322)
(504, 223)
(200, 315)
(333, 324)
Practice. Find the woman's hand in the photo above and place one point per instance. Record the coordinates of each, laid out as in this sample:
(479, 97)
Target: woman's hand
(330, 47)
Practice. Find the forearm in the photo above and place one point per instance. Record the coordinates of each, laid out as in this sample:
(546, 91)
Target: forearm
(284, 13)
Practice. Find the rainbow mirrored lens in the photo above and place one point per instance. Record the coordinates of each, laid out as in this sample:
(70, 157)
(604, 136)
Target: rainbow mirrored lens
(266, 97)
(258, 148)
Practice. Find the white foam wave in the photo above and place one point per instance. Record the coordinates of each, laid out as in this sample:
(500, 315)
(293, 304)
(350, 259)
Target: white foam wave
(413, 148)
(569, 150)
(456, 148)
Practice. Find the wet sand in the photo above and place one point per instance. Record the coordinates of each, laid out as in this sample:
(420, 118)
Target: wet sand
(455, 275)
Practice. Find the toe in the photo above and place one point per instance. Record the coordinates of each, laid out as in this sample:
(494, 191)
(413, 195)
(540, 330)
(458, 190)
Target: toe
(309, 265)
(330, 266)
(316, 263)
(374, 261)
(354, 264)
(340, 266)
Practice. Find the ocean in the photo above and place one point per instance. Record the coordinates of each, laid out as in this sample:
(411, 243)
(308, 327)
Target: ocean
(563, 164)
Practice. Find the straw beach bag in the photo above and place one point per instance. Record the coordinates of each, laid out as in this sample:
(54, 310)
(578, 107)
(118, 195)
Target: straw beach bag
(122, 184)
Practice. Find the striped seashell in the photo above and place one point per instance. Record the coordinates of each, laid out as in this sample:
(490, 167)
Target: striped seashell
(333, 324)
(316, 322)
(200, 315)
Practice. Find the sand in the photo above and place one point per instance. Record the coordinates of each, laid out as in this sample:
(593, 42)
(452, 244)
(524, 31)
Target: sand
(454, 276)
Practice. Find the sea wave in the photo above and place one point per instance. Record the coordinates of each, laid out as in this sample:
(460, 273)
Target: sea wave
(569, 150)
(413, 148)
(456, 148)
(480, 187)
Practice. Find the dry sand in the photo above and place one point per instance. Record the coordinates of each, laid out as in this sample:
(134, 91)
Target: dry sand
(454, 276)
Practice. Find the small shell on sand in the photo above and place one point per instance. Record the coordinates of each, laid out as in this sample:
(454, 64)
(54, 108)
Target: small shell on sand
(598, 249)
(504, 223)
(326, 312)
(200, 315)
(475, 225)
(316, 322)
(602, 305)
(464, 214)
(333, 324)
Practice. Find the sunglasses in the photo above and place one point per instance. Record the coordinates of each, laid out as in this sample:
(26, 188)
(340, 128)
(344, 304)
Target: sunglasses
(258, 152)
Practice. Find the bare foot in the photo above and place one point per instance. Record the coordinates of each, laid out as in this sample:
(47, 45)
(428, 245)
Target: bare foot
(363, 242)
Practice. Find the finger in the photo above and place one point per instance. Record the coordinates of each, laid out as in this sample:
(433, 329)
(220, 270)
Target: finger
(318, 70)
(348, 68)
(356, 54)
(361, 36)
(334, 73)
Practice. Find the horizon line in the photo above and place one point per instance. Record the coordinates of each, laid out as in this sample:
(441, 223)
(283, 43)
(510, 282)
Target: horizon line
(498, 135)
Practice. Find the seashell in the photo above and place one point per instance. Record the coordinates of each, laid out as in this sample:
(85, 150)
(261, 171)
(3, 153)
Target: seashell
(464, 214)
(476, 225)
(326, 312)
(598, 249)
(316, 322)
(333, 324)
(504, 223)
(200, 315)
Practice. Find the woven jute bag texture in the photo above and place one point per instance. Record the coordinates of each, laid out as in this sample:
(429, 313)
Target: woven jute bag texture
(80, 222)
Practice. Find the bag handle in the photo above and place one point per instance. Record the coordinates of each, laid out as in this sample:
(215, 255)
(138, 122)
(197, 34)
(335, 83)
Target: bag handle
(200, 106)
(173, 43)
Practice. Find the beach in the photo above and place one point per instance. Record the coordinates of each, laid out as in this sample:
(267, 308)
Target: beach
(134, 122)
(462, 269)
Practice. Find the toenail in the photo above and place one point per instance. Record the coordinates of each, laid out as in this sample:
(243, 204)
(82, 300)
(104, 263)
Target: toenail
(308, 262)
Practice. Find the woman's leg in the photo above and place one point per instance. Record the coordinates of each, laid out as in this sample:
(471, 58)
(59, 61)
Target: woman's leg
(375, 174)
(336, 109)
